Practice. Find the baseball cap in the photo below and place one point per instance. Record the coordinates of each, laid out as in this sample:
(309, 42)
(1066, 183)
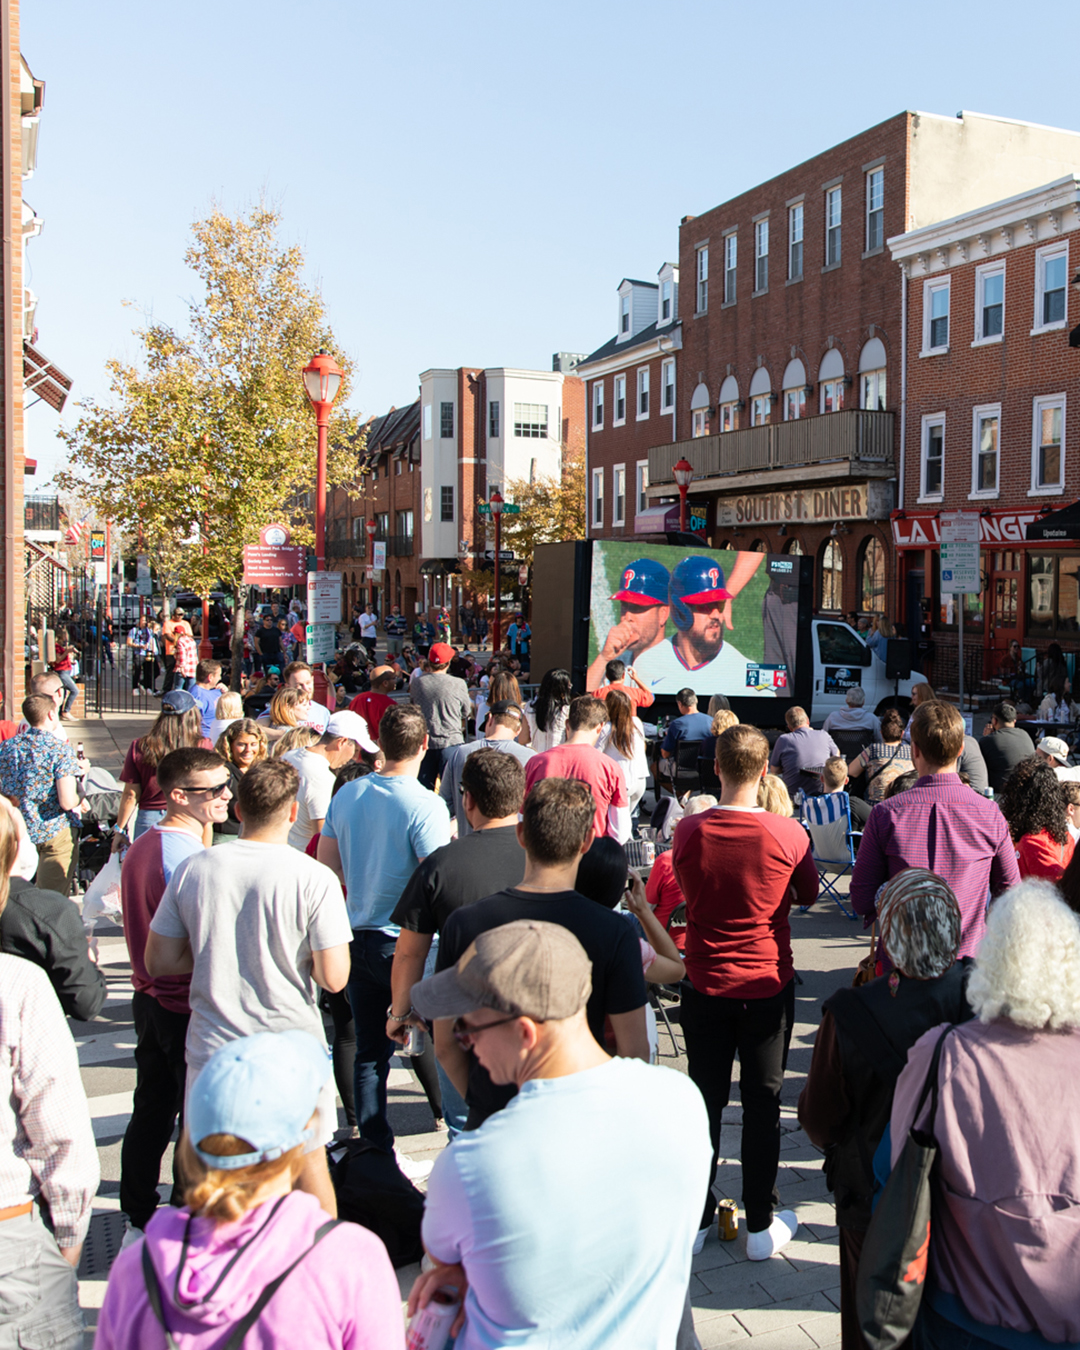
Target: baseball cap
(1055, 747)
(353, 727)
(177, 701)
(644, 581)
(504, 705)
(441, 654)
(527, 968)
(260, 1088)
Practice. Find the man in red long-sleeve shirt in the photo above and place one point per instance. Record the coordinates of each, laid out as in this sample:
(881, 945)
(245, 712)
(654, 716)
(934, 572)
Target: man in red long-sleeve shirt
(741, 868)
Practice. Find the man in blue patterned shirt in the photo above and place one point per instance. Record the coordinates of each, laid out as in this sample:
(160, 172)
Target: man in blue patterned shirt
(38, 772)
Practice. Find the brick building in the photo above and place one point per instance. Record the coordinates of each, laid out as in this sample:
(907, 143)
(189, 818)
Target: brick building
(788, 376)
(992, 422)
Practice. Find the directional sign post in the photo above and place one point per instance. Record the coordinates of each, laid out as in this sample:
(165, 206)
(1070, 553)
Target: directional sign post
(960, 571)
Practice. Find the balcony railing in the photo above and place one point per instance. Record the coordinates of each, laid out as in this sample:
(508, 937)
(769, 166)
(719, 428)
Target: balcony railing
(346, 548)
(865, 437)
(400, 546)
(42, 513)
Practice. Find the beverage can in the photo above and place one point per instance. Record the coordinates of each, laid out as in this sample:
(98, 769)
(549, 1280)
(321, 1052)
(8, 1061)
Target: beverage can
(430, 1328)
(728, 1221)
(650, 852)
(414, 1042)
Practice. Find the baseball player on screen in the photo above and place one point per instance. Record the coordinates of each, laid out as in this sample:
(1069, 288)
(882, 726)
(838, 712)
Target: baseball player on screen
(643, 613)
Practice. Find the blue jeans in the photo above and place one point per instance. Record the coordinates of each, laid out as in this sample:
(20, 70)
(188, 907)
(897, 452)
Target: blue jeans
(71, 687)
(372, 957)
(932, 1331)
(145, 820)
(454, 1109)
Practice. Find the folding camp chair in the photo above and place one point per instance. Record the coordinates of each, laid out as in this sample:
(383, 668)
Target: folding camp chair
(832, 841)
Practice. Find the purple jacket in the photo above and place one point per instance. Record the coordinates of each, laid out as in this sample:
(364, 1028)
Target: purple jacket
(1006, 1235)
(344, 1296)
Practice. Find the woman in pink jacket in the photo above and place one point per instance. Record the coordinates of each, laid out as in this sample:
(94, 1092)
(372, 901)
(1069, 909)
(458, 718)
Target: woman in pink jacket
(240, 1255)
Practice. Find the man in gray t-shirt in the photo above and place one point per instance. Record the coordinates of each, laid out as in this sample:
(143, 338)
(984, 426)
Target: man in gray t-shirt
(444, 701)
(500, 732)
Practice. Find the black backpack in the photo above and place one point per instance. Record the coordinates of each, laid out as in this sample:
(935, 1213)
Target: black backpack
(373, 1191)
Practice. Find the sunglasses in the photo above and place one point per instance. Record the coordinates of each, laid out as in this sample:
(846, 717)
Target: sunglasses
(466, 1035)
(214, 791)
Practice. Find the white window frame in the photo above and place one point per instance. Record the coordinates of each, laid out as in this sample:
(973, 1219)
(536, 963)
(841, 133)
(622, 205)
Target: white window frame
(624, 315)
(618, 517)
(761, 256)
(597, 514)
(641, 485)
(760, 410)
(598, 406)
(494, 419)
(880, 381)
(878, 171)
(1042, 257)
(701, 273)
(978, 415)
(667, 386)
(729, 416)
(928, 422)
(982, 275)
(795, 403)
(731, 267)
(642, 395)
(1037, 407)
(667, 299)
(617, 398)
(833, 222)
(838, 386)
(796, 224)
(931, 286)
(699, 422)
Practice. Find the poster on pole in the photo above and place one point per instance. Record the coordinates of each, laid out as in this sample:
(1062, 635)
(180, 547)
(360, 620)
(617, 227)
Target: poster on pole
(324, 597)
(378, 554)
(960, 571)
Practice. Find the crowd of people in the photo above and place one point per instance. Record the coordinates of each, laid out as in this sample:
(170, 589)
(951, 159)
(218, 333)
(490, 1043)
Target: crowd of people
(439, 870)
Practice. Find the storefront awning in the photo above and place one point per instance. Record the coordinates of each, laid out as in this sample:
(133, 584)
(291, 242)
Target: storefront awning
(43, 379)
(438, 567)
(1058, 525)
(1001, 529)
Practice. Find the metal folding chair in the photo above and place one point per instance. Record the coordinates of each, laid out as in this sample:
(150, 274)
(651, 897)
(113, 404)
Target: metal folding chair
(832, 841)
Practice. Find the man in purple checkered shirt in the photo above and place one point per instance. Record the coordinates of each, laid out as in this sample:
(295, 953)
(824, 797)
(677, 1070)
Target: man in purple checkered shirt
(939, 824)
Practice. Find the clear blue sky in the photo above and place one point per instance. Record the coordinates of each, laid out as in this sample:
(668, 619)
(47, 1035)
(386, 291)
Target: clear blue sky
(469, 182)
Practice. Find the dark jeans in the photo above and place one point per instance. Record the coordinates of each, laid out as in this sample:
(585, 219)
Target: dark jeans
(170, 670)
(934, 1332)
(430, 767)
(760, 1030)
(160, 1072)
(344, 1052)
(851, 1245)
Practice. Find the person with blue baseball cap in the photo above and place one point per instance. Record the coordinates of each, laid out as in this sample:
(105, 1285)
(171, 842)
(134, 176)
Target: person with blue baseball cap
(642, 597)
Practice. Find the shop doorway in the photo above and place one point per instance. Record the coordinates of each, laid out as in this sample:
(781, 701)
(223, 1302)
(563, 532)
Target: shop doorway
(1006, 573)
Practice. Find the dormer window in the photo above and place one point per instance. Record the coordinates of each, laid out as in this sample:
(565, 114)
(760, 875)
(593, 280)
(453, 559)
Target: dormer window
(624, 314)
(666, 301)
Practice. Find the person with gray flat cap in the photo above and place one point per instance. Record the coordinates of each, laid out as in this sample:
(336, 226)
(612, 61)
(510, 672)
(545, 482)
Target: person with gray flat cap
(553, 1245)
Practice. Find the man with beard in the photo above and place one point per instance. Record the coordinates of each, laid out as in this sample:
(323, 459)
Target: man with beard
(643, 612)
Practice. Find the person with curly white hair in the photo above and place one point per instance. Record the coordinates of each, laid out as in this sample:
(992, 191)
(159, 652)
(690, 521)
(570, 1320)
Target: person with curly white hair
(1006, 1191)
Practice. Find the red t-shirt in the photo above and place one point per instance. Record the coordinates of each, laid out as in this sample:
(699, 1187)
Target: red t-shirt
(1037, 855)
(585, 763)
(136, 770)
(148, 864)
(640, 698)
(663, 892)
(371, 708)
(736, 868)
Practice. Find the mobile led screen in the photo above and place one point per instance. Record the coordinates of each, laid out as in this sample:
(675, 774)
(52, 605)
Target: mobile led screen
(719, 622)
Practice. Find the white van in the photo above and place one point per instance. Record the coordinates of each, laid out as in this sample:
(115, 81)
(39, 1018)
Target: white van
(843, 661)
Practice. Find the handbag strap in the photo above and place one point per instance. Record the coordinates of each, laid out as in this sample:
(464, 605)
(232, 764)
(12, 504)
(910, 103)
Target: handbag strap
(930, 1087)
(241, 1329)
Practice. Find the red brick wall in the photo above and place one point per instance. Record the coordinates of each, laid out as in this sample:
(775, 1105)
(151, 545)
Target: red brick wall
(630, 442)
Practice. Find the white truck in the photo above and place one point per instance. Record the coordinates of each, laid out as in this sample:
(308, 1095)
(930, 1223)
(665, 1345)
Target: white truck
(843, 661)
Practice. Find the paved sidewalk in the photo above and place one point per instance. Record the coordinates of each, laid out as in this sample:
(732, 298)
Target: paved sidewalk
(105, 740)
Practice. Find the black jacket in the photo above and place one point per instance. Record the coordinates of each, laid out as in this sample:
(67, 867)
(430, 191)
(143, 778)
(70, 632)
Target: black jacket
(44, 927)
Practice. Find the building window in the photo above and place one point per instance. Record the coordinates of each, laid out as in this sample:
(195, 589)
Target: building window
(794, 547)
(875, 208)
(989, 302)
(832, 227)
(932, 469)
(794, 403)
(382, 525)
(531, 421)
(397, 465)
(872, 577)
(986, 423)
(598, 405)
(618, 495)
(1054, 599)
(404, 520)
(832, 395)
(446, 421)
(642, 485)
(1051, 274)
(935, 316)
(729, 416)
(493, 419)
(667, 384)
(759, 409)
(598, 498)
(795, 241)
(872, 390)
(761, 255)
(620, 401)
(699, 423)
(731, 259)
(832, 576)
(624, 314)
(1048, 445)
(447, 504)
(666, 301)
(427, 421)
(702, 280)
(643, 393)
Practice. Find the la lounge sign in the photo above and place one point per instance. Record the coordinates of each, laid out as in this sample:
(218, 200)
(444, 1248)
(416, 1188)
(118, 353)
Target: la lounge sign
(922, 529)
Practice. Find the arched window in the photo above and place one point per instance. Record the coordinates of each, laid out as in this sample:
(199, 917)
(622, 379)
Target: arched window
(831, 381)
(872, 576)
(793, 546)
(759, 546)
(872, 376)
(831, 586)
(794, 388)
(729, 404)
(760, 397)
(699, 411)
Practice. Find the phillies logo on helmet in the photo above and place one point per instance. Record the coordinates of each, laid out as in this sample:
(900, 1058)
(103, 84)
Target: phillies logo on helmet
(714, 576)
(627, 578)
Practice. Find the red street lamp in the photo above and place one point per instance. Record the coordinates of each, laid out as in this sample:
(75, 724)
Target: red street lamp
(322, 380)
(684, 476)
(495, 501)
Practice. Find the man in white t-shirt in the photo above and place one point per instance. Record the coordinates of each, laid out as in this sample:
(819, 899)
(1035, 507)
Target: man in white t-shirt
(369, 629)
(258, 925)
(345, 733)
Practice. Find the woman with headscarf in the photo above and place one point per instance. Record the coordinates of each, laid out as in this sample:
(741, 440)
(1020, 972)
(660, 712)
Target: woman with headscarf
(1006, 1185)
(861, 1048)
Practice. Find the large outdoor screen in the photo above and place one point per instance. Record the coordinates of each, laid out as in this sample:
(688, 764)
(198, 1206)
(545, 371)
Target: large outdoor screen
(719, 622)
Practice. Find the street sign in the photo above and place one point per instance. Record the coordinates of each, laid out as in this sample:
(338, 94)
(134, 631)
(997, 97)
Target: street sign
(960, 568)
(959, 527)
(321, 642)
(378, 554)
(508, 509)
(324, 597)
(505, 554)
(523, 575)
(274, 565)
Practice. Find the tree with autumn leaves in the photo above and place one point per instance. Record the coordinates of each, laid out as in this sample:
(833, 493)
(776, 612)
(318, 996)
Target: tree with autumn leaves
(210, 436)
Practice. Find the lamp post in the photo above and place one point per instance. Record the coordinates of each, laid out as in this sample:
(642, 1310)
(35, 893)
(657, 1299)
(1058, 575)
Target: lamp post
(371, 527)
(322, 380)
(496, 503)
(684, 476)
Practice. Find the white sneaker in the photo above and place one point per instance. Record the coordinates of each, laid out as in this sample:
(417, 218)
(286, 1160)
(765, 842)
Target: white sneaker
(760, 1246)
(132, 1236)
(411, 1167)
(699, 1241)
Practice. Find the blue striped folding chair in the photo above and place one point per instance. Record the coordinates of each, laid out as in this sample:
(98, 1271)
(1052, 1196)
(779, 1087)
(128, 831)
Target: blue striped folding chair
(832, 841)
